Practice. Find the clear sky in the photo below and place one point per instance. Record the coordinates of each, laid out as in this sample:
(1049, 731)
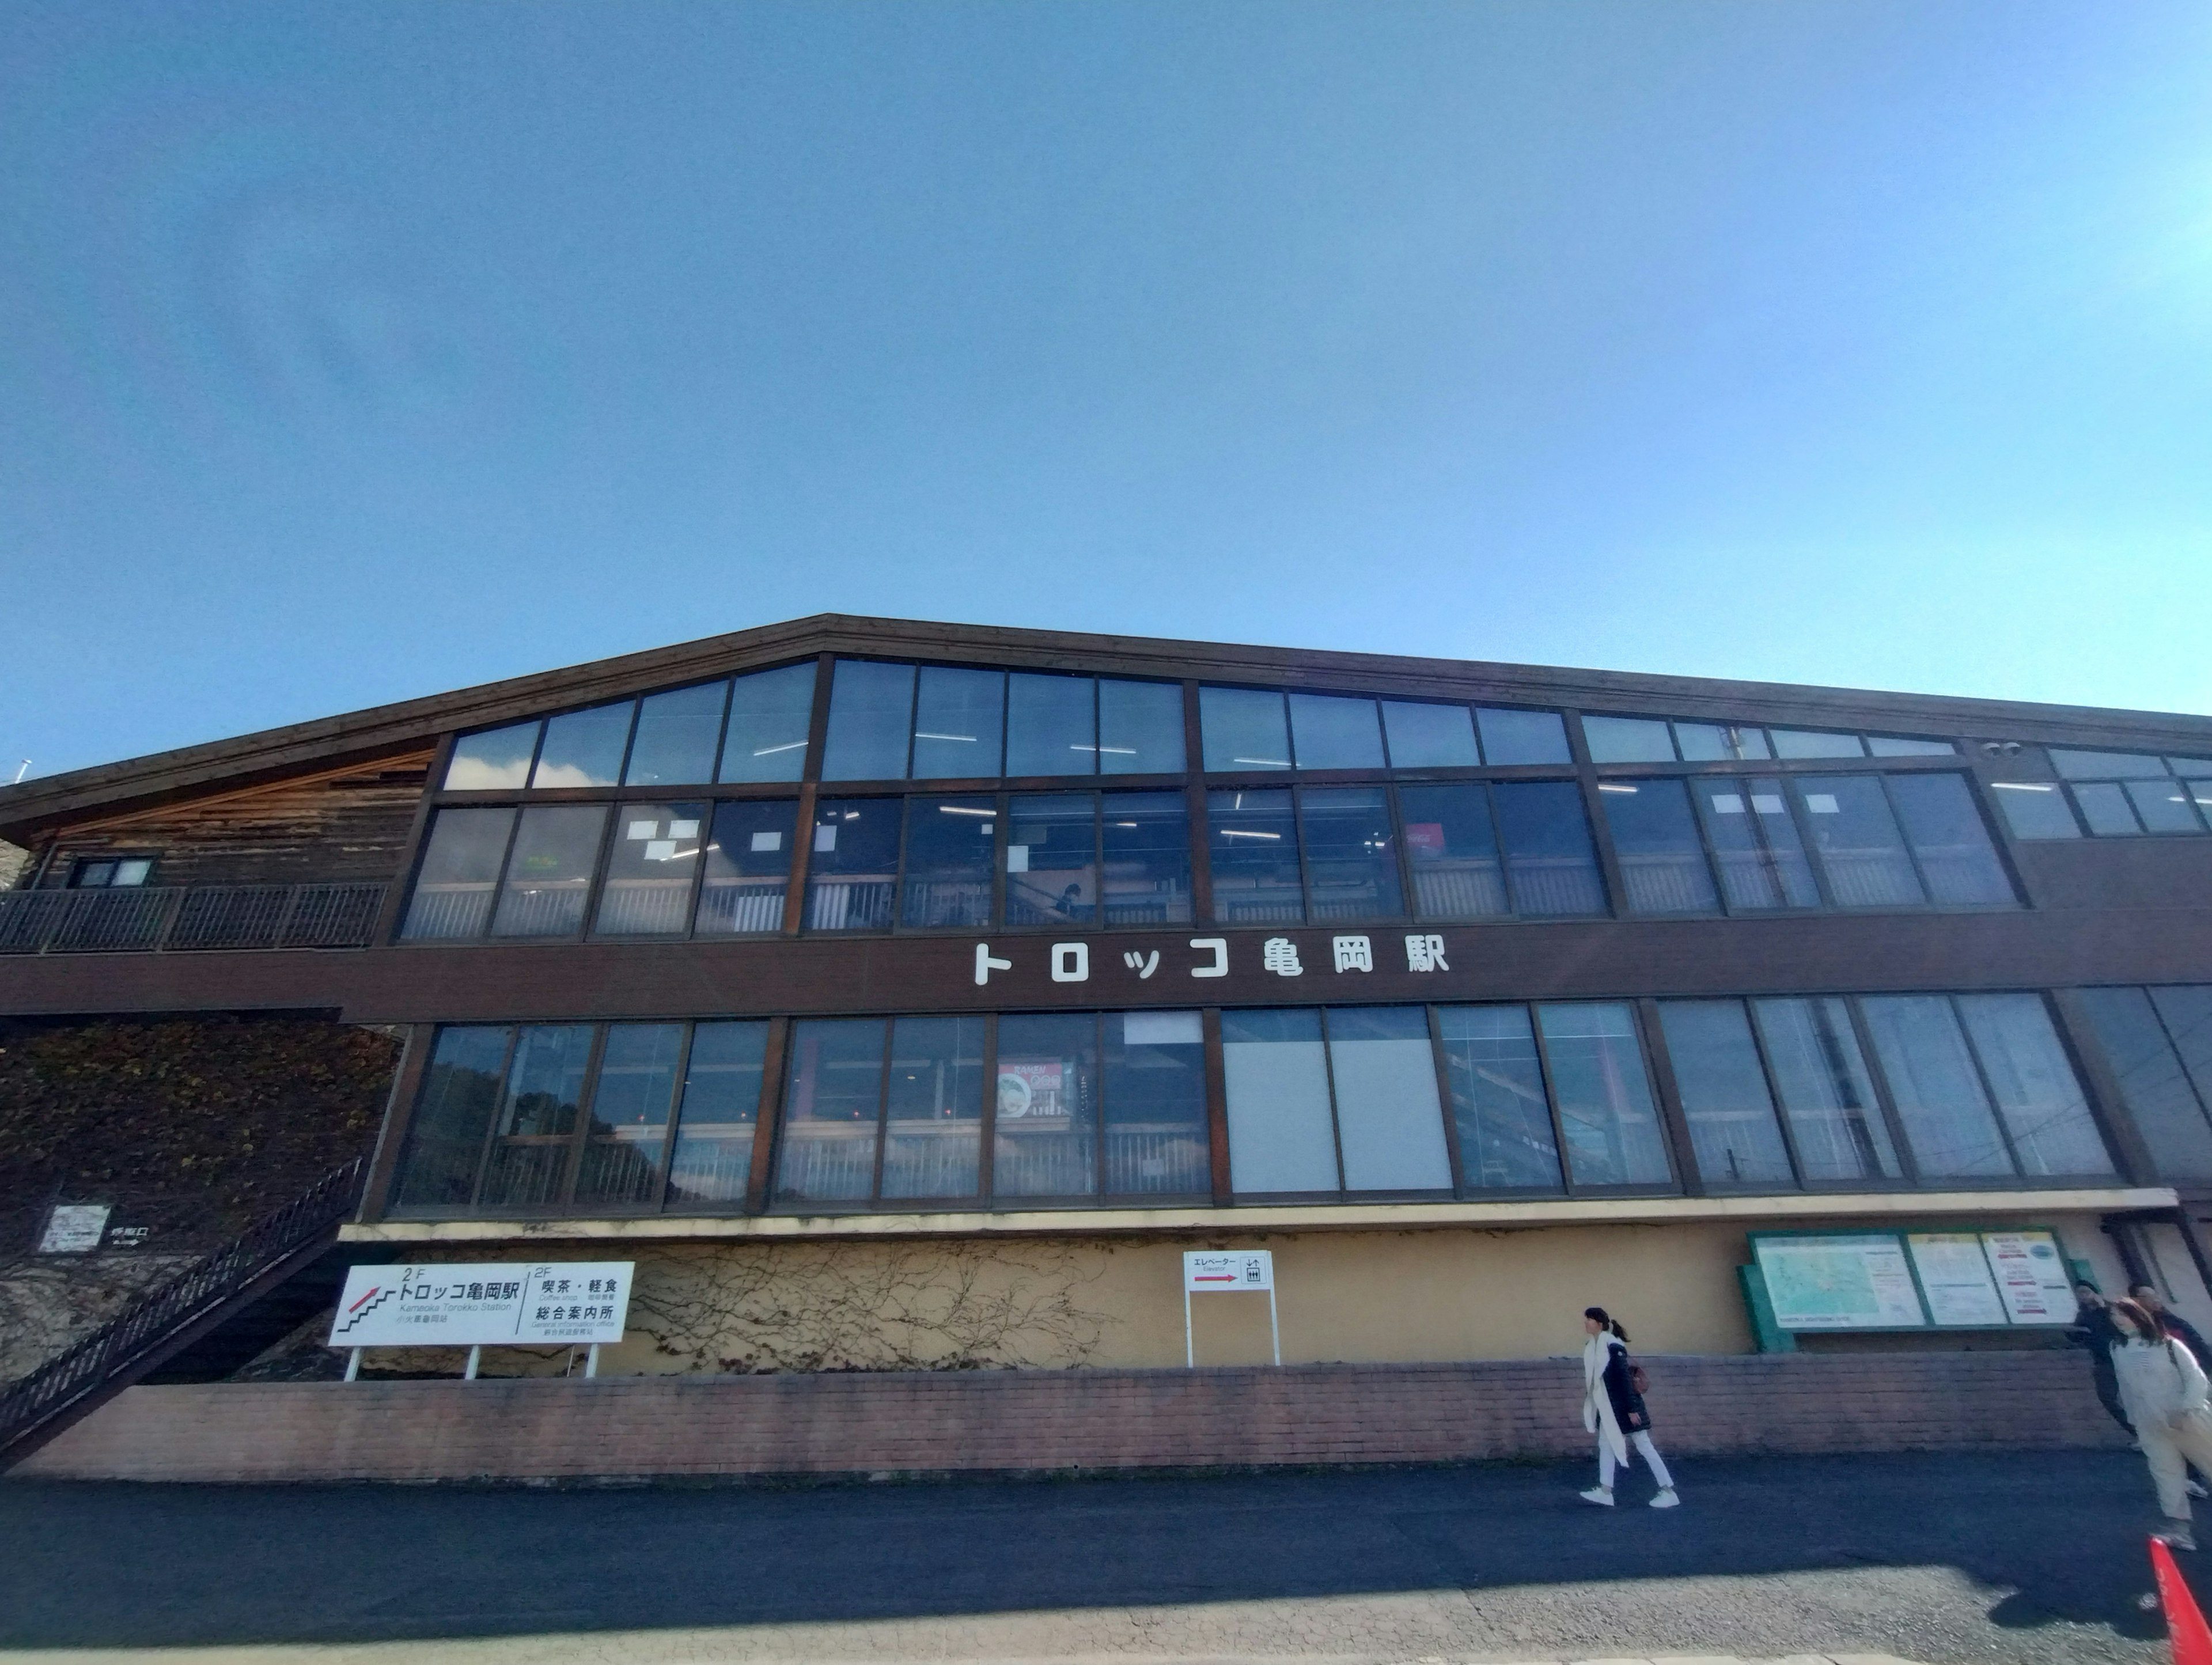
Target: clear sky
(354, 352)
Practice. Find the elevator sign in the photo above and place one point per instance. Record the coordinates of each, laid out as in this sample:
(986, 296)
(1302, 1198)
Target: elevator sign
(1250, 1269)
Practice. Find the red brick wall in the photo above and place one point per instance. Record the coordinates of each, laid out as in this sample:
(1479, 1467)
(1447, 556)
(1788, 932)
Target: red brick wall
(1060, 1420)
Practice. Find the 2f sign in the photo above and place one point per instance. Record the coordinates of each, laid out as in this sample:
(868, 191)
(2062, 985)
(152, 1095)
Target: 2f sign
(1214, 1275)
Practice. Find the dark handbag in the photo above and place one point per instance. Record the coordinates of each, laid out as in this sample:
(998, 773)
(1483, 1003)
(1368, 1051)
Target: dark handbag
(1639, 1381)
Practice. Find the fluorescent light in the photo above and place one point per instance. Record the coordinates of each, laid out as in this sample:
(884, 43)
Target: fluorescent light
(2020, 786)
(1121, 824)
(957, 809)
(1264, 762)
(792, 745)
(970, 738)
(1119, 751)
(1608, 786)
(1233, 832)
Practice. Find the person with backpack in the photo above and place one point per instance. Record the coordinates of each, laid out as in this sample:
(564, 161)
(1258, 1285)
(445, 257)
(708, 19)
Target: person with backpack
(1614, 1409)
(2163, 1389)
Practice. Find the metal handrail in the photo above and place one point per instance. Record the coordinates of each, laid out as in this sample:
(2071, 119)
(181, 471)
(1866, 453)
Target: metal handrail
(154, 919)
(140, 1330)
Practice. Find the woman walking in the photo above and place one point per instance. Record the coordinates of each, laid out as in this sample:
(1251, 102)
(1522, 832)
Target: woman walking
(2163, 1388)
(1613, 1410)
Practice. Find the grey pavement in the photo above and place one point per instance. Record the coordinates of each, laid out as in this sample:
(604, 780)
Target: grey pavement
(2029, 1557)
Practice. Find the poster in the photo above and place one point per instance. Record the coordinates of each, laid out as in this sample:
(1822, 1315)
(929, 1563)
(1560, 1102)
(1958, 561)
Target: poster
(507, 1303)
(1955, 1277)
(1839, 1283)
(74, 1228)
(2031, 1277)
(1032, 1091)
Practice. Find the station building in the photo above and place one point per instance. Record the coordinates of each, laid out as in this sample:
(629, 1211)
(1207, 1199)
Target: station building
(902, 995)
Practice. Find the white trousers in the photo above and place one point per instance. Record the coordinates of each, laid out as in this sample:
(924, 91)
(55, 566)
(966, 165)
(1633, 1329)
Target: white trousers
(1641, 1440)
(2170, 1450)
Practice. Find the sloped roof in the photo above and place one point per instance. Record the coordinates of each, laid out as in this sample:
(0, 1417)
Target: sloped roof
(392, 730)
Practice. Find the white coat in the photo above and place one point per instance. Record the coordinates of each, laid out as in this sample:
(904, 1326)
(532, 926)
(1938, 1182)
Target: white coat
(1597, 1404)
(2160, 1382)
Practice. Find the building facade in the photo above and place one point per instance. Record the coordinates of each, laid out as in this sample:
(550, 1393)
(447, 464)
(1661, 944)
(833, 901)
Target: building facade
(906, 994)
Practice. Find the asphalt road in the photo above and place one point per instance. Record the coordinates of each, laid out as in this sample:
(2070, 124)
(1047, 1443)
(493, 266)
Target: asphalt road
(2029, 1557)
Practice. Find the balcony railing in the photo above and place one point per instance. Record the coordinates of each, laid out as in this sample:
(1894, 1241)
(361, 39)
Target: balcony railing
(152, 921)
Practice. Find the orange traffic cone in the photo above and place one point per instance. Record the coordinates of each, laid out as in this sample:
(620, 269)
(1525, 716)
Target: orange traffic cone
(2184, 1625)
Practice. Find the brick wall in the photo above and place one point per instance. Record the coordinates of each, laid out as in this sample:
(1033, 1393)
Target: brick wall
(1060, 1420)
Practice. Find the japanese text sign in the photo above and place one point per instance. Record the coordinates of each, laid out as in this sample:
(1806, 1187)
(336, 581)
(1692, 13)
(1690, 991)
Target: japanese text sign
(505, 1303)
(1247, 1268)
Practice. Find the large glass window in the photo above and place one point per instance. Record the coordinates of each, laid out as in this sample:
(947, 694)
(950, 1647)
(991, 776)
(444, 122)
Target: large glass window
(770, 713)
(1330, 731)
(1511, 736)
(1389, 1124)
(678, 733)
(1140, 727)
(958, 716)
(2035, 809)
(2122, 794)
(1755, 844)
(933, 1109)
(651, 868)
(1715, 743)
(1662, 865)
(2168, 1110)
(1155, 1078)
(1628, 740)
(1146, 859)
(947, 878)
(1052, 859)
(2042, 1104)
(584, 748)
(748, 868)
(528, 1164)
(870, 713)
(1451, 850)
(1822, 1078)
(1051, 725)
(1957, 862)
(832, 1107)
(1862, 850)
(1499, 1108)
(1430, 736)
(633, 1095)
(496, 760)
(1282, 1128)
(1814, 742)
(1733, 1128)
(549, 876)
(1604, 1096)
(853, 867)
(459, 874)
(714, 1153)
(1046, 1130)
(1252, 839)
(1244, 729)
(1352, 858)
(1550, 861)
(446, 1138)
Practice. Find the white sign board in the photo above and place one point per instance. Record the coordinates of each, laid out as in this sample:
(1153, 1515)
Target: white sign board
(507, 1303)
(1954, 1275)
(1249, 1268)
(2032, 1277)
(1839, 1283)
(75, 1228)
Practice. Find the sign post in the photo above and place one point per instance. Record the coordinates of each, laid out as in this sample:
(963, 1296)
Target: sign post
(1246, 1269)
(504, 1303)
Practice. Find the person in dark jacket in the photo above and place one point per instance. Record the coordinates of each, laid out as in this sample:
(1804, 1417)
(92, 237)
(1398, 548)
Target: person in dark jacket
(2093, 1328)
(1614, 1411)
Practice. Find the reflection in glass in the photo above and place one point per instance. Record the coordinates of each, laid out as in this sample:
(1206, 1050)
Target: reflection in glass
(1453, 852)
(1662, 866)
(871, 705)
(1733, 1129)
(584, 748)
(2105, 765)
(650, 870)
(714, 1155)
(497, 759)
(1430, 736)
(549, 876)
(1550, 861)
(1604, 1097)
(1713, 743)
(1329, 731)
(769, 714)
(1046, 1142)
(631, 1099)
(529, 1161)
(1282, 1135)
(1156, 1137)
(2187, 1014)
(1522, 737)
(1627, 740)
(1826, 1090)
(2034, 809)
(1932, 1081)
(854, 865)
(1052, 724)
(1892, 745)
(2037, 1094)
(1809, 743)
(2105, 809)
(949, 845)
(1762, 861)
(748, 867)
(677, 733)
(1351, 864)
(1052, 859)
(831, 1104)
(1389, 1124)
(2163, 806)
(1243, 729)
(1503, 1120)
(1861, 849)
(1957, 862)
(1253, 841)
(2157, 1091)
(958, 716)
(933, 1110)
(1140, 727)
(460, 869)
(1146, 863)
(446, 1137)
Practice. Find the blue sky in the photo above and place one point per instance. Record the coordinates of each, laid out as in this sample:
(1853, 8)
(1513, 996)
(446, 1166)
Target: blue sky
(349, 353)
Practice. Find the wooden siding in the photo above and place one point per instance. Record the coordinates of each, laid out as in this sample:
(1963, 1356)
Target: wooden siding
(347, 825)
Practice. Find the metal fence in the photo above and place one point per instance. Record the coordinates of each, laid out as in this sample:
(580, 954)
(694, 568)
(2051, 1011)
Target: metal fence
(142, 1329)
(151, 920)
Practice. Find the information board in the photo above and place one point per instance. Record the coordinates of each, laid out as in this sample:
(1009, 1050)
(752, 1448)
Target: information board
(1838, 1283)
(1954, 1276)
(75, 1228)
(2032, 1276)
(1249, 1268)
(507, 1303)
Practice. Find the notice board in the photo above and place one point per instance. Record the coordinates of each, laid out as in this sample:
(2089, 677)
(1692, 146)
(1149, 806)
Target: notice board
(1942, 1277)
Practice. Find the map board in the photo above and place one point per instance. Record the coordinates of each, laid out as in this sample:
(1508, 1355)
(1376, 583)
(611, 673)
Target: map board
(1891, 1280)
(1954, 1276)
(1839, 1283)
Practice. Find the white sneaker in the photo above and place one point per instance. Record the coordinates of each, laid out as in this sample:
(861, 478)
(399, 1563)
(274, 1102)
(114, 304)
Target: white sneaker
(2196, 1488)
(1598, 1495)
(1667, 1500)
(2176, 1537)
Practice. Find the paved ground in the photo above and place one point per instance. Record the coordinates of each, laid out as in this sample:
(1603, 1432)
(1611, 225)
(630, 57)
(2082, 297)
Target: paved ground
(2029, 1558)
